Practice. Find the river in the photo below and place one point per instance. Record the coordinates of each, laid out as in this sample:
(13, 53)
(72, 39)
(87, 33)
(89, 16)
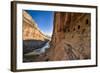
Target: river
(39, 50)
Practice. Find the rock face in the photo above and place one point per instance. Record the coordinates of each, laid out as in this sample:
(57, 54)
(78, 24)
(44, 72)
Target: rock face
(33, 38)
(71, 37)
(30, 29)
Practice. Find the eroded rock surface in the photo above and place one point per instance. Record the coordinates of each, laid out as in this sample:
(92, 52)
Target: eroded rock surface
(71, 37)
(30, 29)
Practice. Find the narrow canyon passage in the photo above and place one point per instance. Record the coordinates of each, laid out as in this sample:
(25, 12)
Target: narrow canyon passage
(70, 38)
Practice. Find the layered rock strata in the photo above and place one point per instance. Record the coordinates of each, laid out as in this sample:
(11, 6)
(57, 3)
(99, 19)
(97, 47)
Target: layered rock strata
(30, 29)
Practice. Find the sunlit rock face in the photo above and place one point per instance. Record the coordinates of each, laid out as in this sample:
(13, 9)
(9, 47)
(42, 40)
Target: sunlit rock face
(71, 37)
(30, 29)
(33, 39)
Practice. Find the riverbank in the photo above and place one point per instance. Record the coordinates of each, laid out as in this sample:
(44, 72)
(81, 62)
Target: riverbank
(34, 49)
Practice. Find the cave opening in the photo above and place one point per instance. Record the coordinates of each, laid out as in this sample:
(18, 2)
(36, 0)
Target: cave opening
(78, 26)
(86, 22)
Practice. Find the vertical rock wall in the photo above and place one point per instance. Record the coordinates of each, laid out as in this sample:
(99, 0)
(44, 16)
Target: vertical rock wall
(71, 37)
(30, 29)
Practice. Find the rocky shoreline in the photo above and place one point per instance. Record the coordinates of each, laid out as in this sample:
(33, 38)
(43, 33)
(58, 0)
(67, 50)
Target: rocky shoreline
(32, 50)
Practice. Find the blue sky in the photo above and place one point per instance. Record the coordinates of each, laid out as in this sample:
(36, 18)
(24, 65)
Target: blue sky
(44, 20)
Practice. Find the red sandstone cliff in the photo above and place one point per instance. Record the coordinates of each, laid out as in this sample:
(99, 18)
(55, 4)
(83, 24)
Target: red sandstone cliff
(71, 37)
(33, 38)
(30, 29)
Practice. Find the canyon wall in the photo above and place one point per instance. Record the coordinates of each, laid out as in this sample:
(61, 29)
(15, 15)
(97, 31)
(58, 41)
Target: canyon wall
(30, 29)
(71, 37)
(32, 37)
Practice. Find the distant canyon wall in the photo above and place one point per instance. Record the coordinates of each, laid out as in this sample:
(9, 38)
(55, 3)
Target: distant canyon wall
(71, 37)
(30, 29)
